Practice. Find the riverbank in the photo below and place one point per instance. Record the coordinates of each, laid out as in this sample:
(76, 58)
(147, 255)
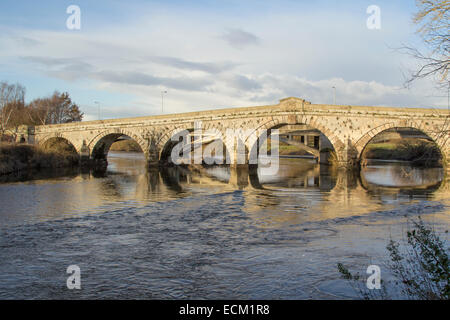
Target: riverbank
(20, 157)
(419, 152)
(126, 146)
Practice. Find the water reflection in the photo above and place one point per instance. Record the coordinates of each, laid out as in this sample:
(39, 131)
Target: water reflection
(401, 177)
(300, 186)
(205, 232)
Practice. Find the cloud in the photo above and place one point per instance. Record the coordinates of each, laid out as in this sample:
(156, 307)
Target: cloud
(207, 67)
(27, 42)
(72, 69)
(273, 87)
(239, 39)
(303, 53)
(244, 83)
(230, 88)
(63, 68)
(139, 78)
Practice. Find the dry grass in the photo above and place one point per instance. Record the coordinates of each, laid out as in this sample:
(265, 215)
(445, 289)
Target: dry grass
(126, 145)
(418, 151)
(18, 157)
(285, 149)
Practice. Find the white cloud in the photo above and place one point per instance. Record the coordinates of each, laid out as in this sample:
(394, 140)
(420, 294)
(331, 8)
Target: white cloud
(293, 55)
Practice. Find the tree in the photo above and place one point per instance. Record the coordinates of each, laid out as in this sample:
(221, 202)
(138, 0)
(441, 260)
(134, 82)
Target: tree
(433, 21)
(57, 108)
(12, 98)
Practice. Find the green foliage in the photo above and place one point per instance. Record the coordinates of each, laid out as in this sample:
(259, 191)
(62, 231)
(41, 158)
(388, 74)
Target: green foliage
(423, 271)
(346, 273)
(357, 283)
(421, 267)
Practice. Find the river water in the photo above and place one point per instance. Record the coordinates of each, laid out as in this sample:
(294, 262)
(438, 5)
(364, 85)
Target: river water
(207, 233)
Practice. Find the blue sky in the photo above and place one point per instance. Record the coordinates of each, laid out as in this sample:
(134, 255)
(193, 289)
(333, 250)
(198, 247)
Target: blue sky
(210, 54)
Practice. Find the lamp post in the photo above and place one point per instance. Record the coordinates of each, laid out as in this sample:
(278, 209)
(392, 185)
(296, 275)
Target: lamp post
(334, 96)
(162, 100)
(98, 108)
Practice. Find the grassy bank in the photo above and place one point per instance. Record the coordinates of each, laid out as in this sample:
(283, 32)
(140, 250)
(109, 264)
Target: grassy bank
(417, 151)
(285, 149)
(126, 145)
(19, 157)
(289, 150)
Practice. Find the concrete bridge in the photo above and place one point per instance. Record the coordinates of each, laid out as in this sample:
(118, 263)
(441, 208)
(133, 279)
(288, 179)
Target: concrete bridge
(346, 129)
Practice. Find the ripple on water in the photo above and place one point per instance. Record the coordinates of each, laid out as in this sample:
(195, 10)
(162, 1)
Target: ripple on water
(139, 236)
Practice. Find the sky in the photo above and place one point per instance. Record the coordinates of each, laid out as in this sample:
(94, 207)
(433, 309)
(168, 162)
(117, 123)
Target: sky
(211, 54)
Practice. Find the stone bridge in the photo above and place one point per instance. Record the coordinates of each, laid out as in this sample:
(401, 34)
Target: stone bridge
(348, 129)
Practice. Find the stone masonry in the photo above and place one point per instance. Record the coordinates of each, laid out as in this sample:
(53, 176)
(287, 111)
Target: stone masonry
(348, 128)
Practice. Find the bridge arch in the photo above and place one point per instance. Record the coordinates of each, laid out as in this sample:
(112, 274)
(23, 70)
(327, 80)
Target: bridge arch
(53, 139)
(63, 148)
(99, 146)
(163, 147)
(311, 121)
(167, 134)
(164, 144)
(440, 139)
(219, 140)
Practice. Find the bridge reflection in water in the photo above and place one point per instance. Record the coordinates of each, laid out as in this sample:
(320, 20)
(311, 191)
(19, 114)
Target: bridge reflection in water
(301, 190)
(300, 186)
(215, 232)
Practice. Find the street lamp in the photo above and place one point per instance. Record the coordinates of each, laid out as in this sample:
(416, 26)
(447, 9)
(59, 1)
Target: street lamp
(98, 107)
(162, 100)
(334, 99)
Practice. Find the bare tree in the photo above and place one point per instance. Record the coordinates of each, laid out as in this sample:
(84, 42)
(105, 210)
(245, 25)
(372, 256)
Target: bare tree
(38, 110)
(57, 108)
(12, 96)
(433, 21)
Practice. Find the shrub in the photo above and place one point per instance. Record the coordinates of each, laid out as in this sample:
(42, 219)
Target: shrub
(17, 157)
(420, 266)
(418, 151)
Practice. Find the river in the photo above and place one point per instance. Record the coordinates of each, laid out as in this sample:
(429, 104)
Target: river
(207, 233)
